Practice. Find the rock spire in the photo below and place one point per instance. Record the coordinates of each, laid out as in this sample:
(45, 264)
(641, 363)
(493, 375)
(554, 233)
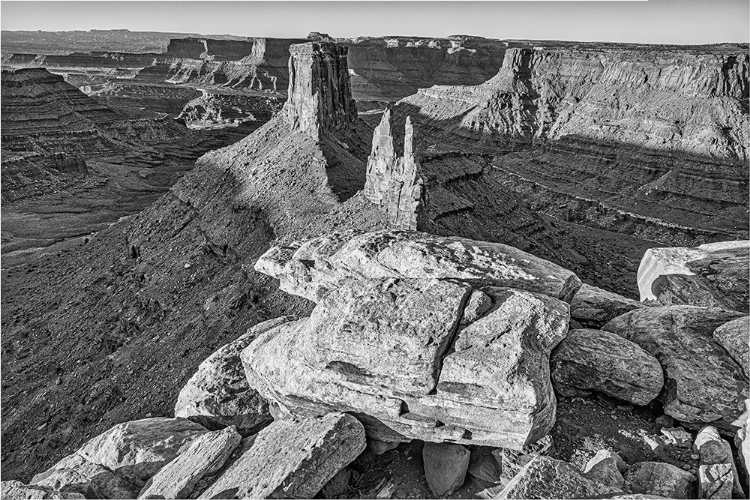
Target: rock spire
(394, 183)
(320, 97)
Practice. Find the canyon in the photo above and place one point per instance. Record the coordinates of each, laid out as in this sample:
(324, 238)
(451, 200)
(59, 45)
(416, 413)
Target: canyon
(537, 176)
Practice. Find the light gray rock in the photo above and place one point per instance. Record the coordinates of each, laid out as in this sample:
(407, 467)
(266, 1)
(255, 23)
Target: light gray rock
(512, 461)
(77, 474)
(16, 490)
(742, 441)
(715, 481)
(374, 347)
(133, 450)
(592, 307)
(291, 459)
(206, 455)
(545, 477)
(445, 467)
(484, 465)
(703, 384)
(734, 336)
(607, 468)
(478, 304)
(219, 388)
(677, 436)
(715, 450)
(595, 360)
(658, 478)
(311, 269)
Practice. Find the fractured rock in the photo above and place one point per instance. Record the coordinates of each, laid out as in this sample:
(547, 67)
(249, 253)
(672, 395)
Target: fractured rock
(607, 468)
(75, 473)
(734, 336)
(703, 384)
(715, 481)
(658, 478)
(592, 307)
(395, 183)
(379, 348)
(597, 360)
(291, 459)
(219, 387)
(312, 268)
(715, 450)
(445, 467)
(711, 275)
(16, 490)
(545, 477)
(205, 456)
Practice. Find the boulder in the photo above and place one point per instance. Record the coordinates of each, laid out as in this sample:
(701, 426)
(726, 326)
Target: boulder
(338, 485)
(716, 481)
(379, 348)
(545, 477)
(596, 360)
(592, 307)
(512, 461)
(484, 465)
(711, 275)
(16, 490)
(311, 269)
(291, 459)
(75, 473)
(380, 447)
(714, 450)
(133, 450)
(607, 468)
(658, 478)
(703, 384)
(219, 388)
(742, 441)
(206, 455)
(445, 467)
(734, 336)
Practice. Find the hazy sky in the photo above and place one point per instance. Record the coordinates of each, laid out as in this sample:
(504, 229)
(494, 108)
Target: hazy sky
(654, 21)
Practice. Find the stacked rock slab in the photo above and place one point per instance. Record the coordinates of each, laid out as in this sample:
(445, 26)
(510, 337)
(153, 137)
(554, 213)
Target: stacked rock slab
(320, 98)
(394, 183)
(711, 275)
(386, 341)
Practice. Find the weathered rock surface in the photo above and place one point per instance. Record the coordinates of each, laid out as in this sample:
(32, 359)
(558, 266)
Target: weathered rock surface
(319, 90)
(310, 268)
(742, 442)
(607, 468)
(292, 459)
(592, 307)
(394, 183)
(17, 490)
(596, 360)
(379, 348)
(132, 450)
(485, 465)
(445, 467)
(219, 388)
(715, 481)
(734, 336)
(658, 478)
(711, 275)
(206, 455)
(75, 473)
(702, 384)
(714, 450)
(545, 477)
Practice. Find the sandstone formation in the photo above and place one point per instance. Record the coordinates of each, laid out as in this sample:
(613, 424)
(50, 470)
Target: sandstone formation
(711, 275)
(219, 388)
(592, 307)
(319, 92)
(601, 361)
(734, 336)
(292, 459)
(310, 269)
(394, 183)
(702, 383)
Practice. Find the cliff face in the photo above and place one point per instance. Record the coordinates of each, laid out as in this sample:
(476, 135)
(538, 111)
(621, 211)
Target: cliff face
(319, 96)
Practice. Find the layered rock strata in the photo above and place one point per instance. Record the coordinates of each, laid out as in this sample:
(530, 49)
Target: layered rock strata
(319, 97)
(394, 183)
(396, 349)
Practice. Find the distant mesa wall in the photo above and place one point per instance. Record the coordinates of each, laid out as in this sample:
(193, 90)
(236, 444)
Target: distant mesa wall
(395, 183)
(319, 97)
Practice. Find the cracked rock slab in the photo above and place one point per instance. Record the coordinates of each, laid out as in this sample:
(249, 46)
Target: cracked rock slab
(592, 307)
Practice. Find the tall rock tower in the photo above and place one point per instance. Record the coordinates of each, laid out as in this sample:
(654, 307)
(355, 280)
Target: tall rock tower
(320, 96)
(394, 183)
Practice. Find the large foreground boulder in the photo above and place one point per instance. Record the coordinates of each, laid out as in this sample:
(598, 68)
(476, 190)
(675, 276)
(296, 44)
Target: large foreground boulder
(391, 352)
(310, 269)
(703, 384)
(595, 360)
(592, 307)
(711, 275)
(219, 388)
(291, 459)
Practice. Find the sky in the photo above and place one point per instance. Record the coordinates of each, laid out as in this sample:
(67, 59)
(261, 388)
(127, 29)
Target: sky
(653, 21)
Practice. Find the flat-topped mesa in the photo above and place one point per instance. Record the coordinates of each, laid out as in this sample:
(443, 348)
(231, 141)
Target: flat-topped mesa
(320, 97)
(394, 183)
